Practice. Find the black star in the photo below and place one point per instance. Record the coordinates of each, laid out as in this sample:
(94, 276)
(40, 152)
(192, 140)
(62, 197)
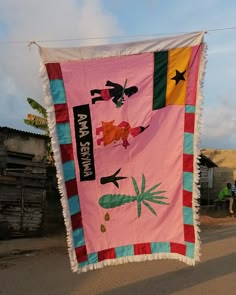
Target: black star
(178, 76)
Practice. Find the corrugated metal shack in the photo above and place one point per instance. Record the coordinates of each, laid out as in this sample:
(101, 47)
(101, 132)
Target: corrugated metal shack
(23, 177)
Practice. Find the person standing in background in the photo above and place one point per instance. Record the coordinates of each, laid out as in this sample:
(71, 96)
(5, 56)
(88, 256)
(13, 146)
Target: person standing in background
(234, 195)
(226, 194)
(234, 189)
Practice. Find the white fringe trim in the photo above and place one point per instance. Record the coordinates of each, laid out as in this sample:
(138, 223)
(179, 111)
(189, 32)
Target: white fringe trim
(137, 258)
(58, 163)
(198, 126)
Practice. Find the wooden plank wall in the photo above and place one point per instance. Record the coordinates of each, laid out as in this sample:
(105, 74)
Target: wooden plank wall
(23, 209)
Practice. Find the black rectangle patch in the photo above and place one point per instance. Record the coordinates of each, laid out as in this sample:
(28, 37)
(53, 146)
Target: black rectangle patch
(84, 142)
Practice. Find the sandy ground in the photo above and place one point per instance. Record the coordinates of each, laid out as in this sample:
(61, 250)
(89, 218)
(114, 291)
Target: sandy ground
(40, 266)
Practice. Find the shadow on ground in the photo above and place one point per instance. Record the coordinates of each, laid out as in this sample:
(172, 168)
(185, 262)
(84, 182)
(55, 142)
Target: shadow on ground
(179, 280)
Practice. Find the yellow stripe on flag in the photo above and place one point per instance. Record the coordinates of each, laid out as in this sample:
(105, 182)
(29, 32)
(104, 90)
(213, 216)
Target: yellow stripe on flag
(178, 60)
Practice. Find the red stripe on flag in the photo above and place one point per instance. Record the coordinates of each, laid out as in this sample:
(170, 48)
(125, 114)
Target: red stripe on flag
(189, 122)
(81, 254)
(142, 248)
(178, 248)
(106, 254)
(71, 188)
(187, 163)
(61, 112)
(66, 152)
(187, 198)
(54, 71)
(189, 234)
(76, 221)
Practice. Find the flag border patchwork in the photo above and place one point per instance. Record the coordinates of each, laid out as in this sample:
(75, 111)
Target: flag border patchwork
(187, 249)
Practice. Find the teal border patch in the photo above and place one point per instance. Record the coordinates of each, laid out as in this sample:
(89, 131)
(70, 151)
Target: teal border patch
(58, 91)
(92, 258)
(78, 237)
(69, 170)
(162, 247)
(188, 181)
(190, 109)
(124, 251)
(63, 133)
(82, 264)
(190, 248)
(188, 215)
(188, 143)
(74, 205)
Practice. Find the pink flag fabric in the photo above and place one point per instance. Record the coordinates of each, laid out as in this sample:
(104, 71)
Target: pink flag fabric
(124, 122)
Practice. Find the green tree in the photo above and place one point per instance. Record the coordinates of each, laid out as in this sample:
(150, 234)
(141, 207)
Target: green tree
(40, 122)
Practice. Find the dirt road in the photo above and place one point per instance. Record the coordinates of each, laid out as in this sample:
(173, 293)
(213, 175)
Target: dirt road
(43, 269)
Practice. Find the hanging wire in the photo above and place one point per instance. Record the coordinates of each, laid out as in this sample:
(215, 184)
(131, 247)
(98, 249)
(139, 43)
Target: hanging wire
(111, 37)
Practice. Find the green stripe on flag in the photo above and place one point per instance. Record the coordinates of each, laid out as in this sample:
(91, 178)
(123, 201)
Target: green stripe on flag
(160, 79)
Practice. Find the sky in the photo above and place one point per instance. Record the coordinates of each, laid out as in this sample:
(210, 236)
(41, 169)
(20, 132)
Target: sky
(112, 21)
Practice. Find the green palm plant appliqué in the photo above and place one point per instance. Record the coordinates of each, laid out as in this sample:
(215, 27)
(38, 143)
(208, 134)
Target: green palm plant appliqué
(109, 201)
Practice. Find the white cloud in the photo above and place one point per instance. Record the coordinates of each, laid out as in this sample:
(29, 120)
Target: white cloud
(219, 123)
(28, 20)
(95, 22)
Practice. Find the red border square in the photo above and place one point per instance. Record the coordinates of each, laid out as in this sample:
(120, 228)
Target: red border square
(187, 199)
(142, 248)
(54, 71)
(71, 188)
(189, 234)
(81, 254)
(187, 163)
(61, 113)
(178, 248)
(76, 221)
(66, 152)
(106, 254)
(189, 122)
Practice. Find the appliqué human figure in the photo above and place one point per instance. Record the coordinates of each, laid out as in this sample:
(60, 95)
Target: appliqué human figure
(116, 93)
(113, 133)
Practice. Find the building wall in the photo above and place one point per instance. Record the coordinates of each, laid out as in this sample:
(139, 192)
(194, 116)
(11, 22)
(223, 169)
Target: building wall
(22, 143)
(226, 170)
(23, 182)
